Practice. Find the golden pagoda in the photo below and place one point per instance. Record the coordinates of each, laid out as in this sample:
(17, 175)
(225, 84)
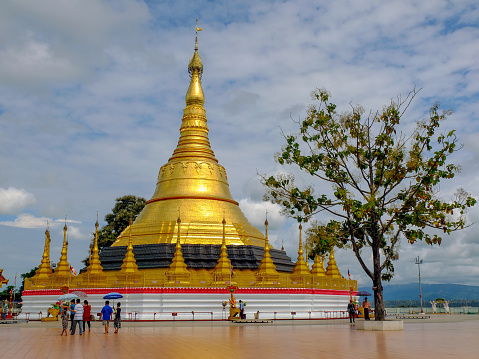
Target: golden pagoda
(213, 245)
(195, 182)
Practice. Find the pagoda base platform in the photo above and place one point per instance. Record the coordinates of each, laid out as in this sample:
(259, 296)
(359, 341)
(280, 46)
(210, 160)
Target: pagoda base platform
(205, 303)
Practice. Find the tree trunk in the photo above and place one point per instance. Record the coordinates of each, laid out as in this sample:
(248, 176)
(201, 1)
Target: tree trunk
(379, 312)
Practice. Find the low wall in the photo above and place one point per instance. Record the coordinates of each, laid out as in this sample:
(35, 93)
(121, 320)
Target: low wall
(201, 304)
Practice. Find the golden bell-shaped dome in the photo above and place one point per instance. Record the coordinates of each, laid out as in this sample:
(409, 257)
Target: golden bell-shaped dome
(194, 184)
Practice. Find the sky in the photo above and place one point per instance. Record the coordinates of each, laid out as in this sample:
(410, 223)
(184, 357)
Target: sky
(92, 94)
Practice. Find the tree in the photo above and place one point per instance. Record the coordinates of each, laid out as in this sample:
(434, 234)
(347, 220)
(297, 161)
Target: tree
(384, 185)
(320, 237)
(5, 294)
(126, 207)
(27, 275)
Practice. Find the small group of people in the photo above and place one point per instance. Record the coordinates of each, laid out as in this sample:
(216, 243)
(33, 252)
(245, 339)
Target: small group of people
(81, 315)
(352, 308)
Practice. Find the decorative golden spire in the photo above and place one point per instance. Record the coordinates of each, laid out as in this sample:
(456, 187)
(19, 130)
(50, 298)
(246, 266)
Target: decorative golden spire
(95, 267)
(63, 267)
(318, 267)
(300, 267)
(178, 273)
(129, 262)
(194, 180)
(332, 269)
(223, 269)
(45, 269)
(267, 274)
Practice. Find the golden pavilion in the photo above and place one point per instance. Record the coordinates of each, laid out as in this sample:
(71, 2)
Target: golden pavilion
(191, 236)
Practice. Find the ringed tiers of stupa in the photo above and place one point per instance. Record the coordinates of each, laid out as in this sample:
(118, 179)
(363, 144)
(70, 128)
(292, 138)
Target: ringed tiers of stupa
(190, 243)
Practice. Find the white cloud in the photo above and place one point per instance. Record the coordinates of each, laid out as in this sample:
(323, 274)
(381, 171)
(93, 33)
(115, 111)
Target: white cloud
(27, 221)
(256, 214)
(14, 200)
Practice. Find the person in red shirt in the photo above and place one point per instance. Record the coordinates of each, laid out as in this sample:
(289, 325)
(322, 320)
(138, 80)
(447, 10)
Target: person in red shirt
(86, 314)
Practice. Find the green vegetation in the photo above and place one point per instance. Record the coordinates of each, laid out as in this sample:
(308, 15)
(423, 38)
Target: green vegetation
(126, 207)
(384, 184)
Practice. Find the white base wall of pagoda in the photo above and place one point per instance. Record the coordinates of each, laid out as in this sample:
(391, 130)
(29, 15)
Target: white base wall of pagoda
(203, 303)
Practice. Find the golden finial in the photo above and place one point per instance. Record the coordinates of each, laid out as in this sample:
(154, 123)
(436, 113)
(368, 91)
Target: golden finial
(266, 224)
(195, 62)
(196, 39)
(282, 245)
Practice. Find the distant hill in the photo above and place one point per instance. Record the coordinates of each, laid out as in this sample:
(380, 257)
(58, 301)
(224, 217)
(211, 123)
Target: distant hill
(429, 291)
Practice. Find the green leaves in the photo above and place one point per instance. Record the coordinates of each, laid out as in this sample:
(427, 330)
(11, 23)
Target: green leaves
(385, 185)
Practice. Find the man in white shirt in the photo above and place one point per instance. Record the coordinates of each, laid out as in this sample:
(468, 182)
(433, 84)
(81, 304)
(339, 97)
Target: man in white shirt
(78, 318)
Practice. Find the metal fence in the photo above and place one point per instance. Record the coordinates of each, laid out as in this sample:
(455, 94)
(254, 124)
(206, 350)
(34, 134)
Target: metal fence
(453, 303)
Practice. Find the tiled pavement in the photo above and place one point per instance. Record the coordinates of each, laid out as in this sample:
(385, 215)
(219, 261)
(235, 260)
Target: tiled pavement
(447, 336)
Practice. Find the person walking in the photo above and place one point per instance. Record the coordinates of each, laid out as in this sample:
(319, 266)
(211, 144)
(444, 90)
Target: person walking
(351, 311)
(64, 320)
(78, 318)
(117, 321)
(72, 314)
(86, 315)
(241, 307)
(106, 312)
(366, 307)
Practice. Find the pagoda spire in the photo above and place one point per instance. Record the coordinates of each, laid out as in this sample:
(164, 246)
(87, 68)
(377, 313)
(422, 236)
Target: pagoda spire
(318, 267)
(267, 274)
(300, 267)
(194, 142)
(129, 262)
(63, 267)
(178, 273)
(223, 270)
(45, 269)
(95, 267)
(332, 269)
(194, 180)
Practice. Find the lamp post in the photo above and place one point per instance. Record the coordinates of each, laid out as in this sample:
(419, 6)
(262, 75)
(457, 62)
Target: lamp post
(418, 262)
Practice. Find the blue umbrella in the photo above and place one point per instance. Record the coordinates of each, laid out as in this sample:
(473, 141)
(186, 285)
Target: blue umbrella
(363, 293)
(113, 295)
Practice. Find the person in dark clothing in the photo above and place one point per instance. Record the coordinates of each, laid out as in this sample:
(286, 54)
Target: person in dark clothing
(351, 311)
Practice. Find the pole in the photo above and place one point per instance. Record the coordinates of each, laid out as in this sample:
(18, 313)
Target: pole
(418, 262)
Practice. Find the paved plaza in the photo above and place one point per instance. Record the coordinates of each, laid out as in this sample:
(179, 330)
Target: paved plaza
(441, 336)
